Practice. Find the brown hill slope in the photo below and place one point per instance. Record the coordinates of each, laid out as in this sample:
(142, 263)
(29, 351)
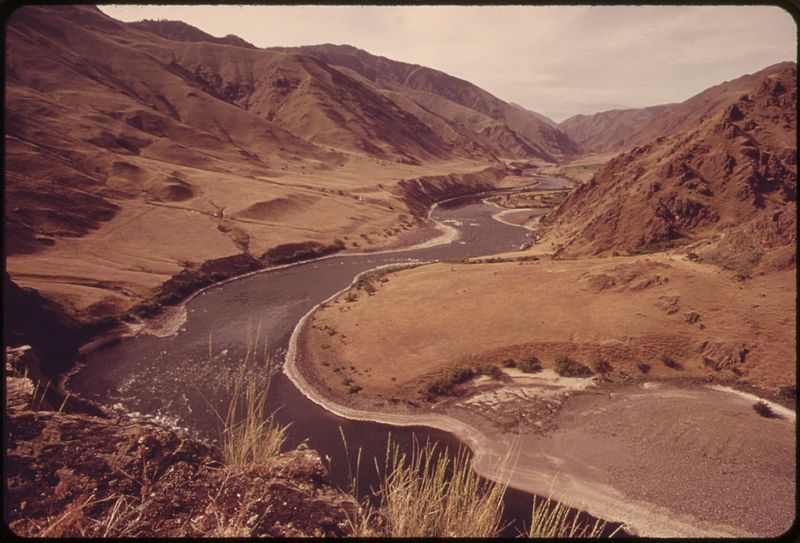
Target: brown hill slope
(180, 31)
(607, 131)
(507, 129)
(728, 183)
(686, 114)
(545, 118)
(131, 157)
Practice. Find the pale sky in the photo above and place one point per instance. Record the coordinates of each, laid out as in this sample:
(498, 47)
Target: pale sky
(556, 60)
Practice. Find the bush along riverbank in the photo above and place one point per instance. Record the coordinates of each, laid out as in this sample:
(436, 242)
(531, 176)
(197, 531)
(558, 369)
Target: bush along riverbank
(194, 278)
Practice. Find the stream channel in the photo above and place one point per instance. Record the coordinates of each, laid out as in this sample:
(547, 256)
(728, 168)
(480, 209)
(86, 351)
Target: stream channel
(173, 379)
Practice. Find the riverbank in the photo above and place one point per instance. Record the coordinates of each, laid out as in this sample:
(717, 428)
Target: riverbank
(343, 358)
(167, 320)
(128, 260)
(573, 448)
(163, 320)
(287, 295)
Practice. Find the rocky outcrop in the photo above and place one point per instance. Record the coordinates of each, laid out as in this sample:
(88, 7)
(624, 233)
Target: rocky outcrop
(74, 475)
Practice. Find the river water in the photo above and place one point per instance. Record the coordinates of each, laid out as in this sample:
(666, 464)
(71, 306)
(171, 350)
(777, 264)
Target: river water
(177, 379)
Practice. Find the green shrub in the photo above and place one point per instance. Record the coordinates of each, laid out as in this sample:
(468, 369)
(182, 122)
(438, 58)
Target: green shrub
(170, 298)
(789, 391)
(567, 367)
(491, 370)
(509, 363)
(763, 409)
(443, 384)
(669, 362)
(529, 364)
(602, 367)
(461, 375)
(146, 309)
(644, 368)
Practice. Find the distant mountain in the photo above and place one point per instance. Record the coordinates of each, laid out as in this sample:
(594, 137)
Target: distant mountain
(473, 116)
(84, 91)
(608, 130)
(180, 31)
(724, 179)
(149, 148)
(539, 116)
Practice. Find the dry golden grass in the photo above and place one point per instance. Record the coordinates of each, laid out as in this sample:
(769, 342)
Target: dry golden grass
(250, 436)
(427, 493)
(626, 310)
(550, 519)
(76, 521)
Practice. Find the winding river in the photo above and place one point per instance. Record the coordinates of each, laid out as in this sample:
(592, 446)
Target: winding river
(176, 377)
(173, 379)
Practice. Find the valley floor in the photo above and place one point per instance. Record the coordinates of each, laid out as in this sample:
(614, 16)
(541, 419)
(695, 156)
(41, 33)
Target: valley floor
(125, 261)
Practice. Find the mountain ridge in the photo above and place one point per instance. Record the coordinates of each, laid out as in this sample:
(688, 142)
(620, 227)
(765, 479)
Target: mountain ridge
(428, 87)
(131, 157)
(726, 185)
(606, 131)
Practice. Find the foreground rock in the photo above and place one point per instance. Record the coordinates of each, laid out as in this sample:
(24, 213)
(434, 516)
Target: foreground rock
(72, 475)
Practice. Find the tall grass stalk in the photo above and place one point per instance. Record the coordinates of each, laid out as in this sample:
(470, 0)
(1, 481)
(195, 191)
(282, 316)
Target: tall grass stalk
(550, 518)
(425, 494)
(364, 519)
(249, 435)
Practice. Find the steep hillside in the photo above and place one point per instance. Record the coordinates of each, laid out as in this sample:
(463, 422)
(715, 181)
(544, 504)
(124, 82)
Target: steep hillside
(608, 130)
(727, 183)
(539, 116)
(135, 152)
(507, 129)
(687, 114)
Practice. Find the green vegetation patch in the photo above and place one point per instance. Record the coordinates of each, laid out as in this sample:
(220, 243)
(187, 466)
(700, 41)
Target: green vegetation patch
(567, 367)
(295, 252)
(669, 362)
(444, 384)
(529, 364)
(491, 370)
(763, 409)
(602, 366)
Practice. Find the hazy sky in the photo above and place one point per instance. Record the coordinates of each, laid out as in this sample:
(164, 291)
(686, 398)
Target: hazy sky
(558, 61)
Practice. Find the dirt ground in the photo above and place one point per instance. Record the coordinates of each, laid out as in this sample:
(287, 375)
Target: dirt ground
(668, 461)
(629, 311)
